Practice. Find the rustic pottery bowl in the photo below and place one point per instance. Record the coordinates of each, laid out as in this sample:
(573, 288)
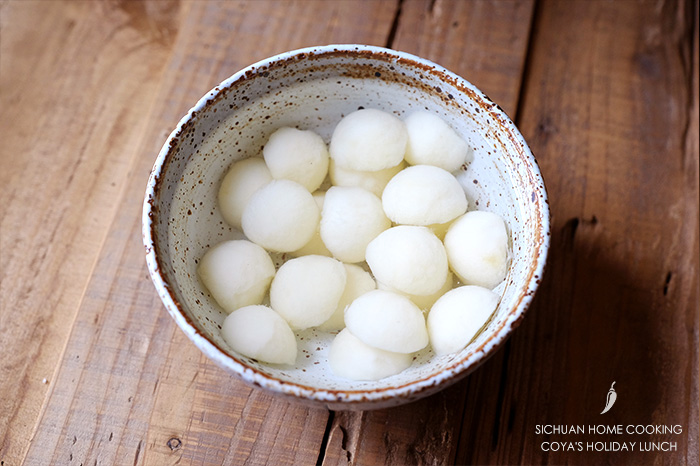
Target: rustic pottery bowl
(312, 89)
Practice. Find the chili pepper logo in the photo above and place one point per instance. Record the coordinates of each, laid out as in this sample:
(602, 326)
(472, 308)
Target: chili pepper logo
(612, 396)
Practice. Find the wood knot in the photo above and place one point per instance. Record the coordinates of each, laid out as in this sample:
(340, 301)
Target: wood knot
(174, 443)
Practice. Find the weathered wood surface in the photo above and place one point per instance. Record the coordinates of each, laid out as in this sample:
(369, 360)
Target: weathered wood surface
(94, 371)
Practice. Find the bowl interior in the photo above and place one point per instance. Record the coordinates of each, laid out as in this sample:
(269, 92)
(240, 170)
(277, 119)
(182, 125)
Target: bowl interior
(314, 89)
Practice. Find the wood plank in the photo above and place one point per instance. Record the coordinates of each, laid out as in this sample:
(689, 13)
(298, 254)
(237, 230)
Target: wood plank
(68, 137)
(608, 107)
(485, 42)
(130, 387)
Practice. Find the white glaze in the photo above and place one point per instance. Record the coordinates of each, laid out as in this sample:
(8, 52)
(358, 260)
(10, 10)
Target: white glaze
(312, 89)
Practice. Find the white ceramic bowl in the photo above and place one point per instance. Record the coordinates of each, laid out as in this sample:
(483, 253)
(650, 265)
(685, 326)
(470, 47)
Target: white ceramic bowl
(313, 88)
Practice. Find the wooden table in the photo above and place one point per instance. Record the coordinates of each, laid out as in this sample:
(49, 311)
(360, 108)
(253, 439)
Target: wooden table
(94, 371)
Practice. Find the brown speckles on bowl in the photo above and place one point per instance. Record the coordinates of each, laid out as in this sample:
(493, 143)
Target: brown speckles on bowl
(314, 88)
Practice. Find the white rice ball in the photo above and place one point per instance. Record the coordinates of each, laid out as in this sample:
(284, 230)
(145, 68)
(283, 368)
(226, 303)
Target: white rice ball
(315, 244)
(423, 195)
(240, 182)
(368, 140)
(351, 218)
(236, 273)
(425, 302)
(281, 216)
(477, 248)
(456, 318)
(410, 259)
(431, 141)
(373, 182)
(260, 333)
(358, 282)
(388, 321)
(349, 357)
(306, 290)
(297, 155)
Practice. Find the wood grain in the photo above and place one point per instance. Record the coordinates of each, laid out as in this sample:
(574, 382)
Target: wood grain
(483, 41)
(67, 143)
(609, 121)
(129, 385)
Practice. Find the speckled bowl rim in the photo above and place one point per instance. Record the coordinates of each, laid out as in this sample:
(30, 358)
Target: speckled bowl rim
(367, 397)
